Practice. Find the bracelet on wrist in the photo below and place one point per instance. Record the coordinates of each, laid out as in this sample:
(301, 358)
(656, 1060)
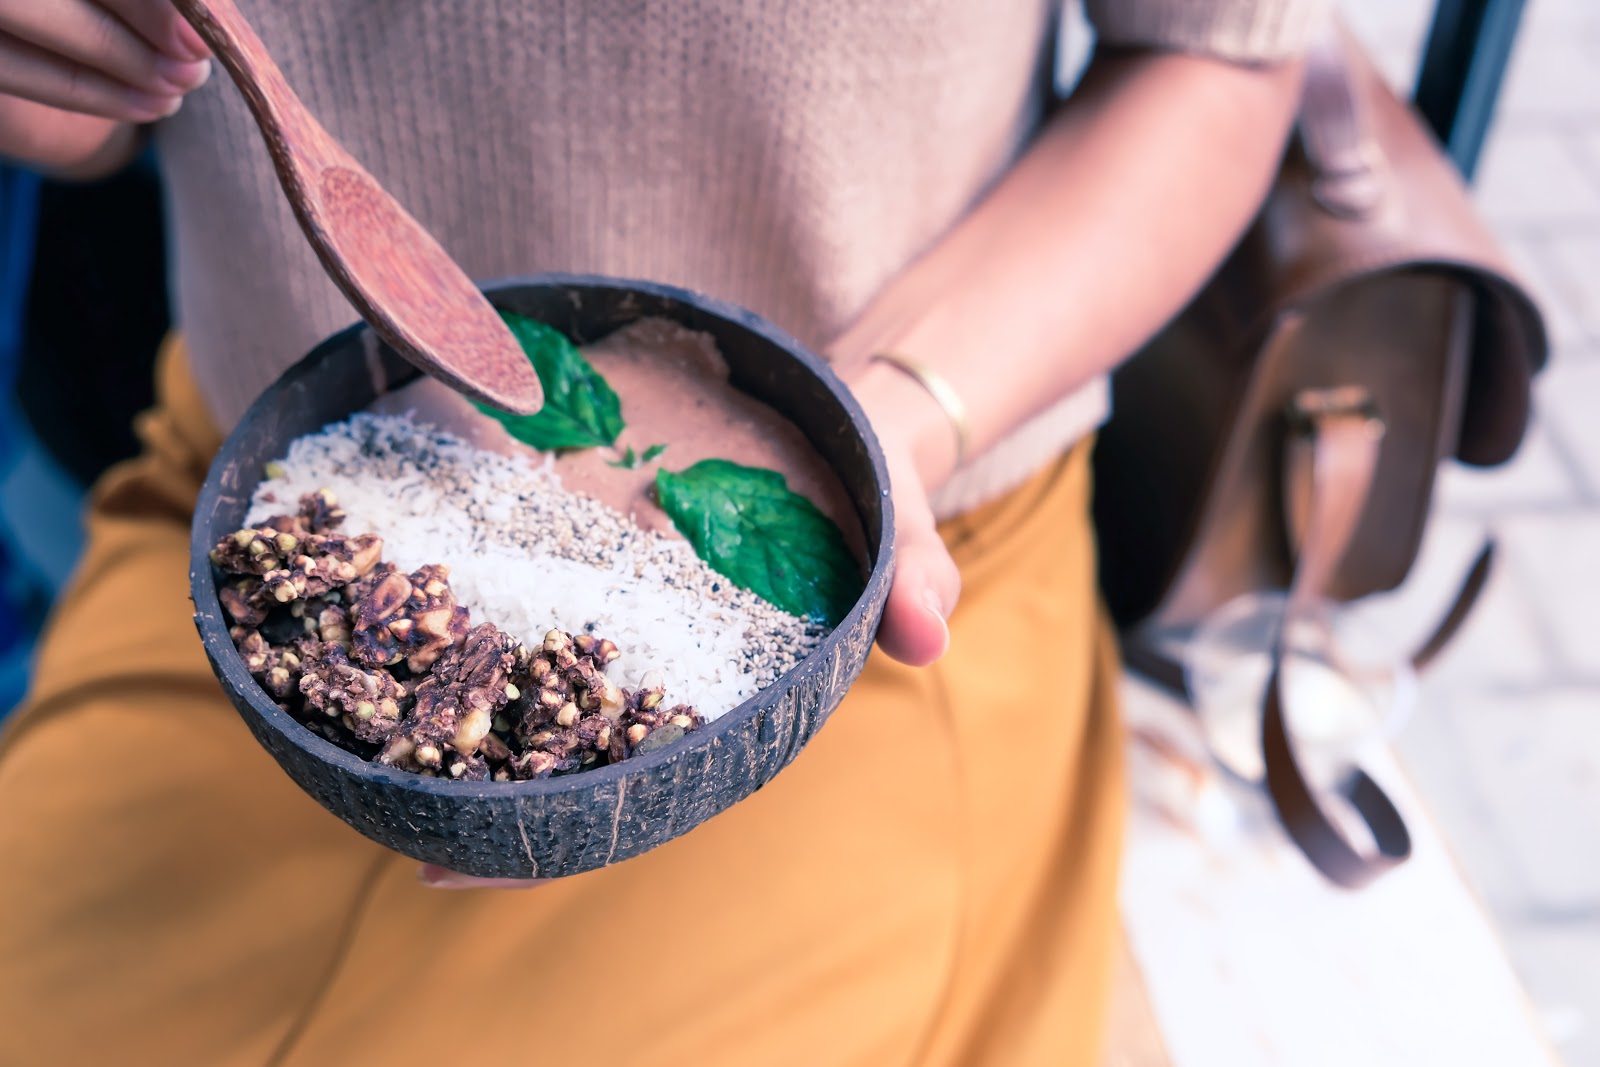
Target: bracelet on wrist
(939, 388)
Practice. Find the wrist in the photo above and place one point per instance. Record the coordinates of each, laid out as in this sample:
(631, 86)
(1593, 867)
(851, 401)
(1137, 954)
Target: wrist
(908, 419)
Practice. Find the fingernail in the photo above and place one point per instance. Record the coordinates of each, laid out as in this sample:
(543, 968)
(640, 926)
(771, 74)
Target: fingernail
(436, 877)
(189, 41)
(181, 76)
(149, 107)
(936, 609)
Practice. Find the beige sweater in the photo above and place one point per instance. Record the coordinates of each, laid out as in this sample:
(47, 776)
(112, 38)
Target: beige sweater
(788, 155)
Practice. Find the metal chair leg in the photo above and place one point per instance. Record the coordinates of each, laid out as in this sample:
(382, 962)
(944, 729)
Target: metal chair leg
(1463, 65)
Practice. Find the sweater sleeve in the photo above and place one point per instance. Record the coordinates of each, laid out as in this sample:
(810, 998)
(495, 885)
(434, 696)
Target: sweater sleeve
(1245, 31)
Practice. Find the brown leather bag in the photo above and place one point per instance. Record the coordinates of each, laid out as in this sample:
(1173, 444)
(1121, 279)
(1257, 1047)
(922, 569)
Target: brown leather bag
(1284, 432)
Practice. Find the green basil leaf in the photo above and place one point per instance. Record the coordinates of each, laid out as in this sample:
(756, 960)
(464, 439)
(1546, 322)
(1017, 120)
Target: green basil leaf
(628, 462)
(752, 529)
(652, 452)
(580, 409)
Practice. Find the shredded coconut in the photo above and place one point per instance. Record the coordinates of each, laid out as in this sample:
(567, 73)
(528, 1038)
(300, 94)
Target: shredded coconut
(528, 555)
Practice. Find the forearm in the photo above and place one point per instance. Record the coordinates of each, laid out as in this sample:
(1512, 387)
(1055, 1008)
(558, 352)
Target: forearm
(1103, 229)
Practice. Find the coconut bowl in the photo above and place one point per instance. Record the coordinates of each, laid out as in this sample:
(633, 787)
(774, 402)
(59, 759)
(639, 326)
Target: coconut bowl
(564, 825)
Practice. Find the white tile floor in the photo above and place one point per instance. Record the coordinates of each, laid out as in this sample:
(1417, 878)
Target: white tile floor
(1505, 748)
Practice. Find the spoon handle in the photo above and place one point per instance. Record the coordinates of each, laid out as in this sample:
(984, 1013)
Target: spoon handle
(301, 149)
(395, 274)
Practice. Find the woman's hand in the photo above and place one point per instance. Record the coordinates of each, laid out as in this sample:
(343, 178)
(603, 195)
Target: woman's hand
(926, 582)
(76, 77)
(919, 446)
(435, 877)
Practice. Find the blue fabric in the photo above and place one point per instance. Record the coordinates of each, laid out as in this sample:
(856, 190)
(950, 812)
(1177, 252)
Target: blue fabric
(22, 598)
(19, 196)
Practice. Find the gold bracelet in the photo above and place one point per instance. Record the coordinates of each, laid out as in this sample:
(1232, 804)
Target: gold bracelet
(941, 390)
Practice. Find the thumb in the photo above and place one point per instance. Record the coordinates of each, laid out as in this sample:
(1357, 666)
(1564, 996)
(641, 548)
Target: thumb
(926, 581)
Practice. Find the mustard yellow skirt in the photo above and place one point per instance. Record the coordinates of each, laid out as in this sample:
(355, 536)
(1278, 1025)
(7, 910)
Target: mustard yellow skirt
(931, 882)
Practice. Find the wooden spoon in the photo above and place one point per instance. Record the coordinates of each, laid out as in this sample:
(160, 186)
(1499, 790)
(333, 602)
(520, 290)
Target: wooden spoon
(399, 279)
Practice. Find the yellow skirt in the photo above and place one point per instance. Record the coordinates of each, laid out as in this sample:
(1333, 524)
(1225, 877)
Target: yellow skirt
(931, 882)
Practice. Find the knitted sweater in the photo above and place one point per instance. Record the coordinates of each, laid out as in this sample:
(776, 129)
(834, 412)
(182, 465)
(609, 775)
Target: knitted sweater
(790, 157)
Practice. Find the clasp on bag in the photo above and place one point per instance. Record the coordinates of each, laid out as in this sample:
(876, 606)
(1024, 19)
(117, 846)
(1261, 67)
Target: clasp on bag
(1310, 408)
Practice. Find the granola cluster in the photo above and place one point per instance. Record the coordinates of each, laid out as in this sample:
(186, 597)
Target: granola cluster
(388, 665)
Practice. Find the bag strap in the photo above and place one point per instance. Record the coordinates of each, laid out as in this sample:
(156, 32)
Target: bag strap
(1145, 657)
(1330, 456)
(1345, 159)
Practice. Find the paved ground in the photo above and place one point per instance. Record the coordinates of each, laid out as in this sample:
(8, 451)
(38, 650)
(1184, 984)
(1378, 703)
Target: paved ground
(1506, 744)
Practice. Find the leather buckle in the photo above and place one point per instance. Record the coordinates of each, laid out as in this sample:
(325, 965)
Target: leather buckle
(1311, 408)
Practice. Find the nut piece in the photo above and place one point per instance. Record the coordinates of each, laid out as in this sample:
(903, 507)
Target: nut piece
(363, 586)
(494, 749)
(411, 617)
(471, 730)
(333, 624)
(319, 512)
(276, 667)
(321, 563)
(368, 702)
(598, 649)
(457, 701)
(660, 737)
(647, 724)
(531, 764)
(472, 768)
(273, 544)
(249, 551)
(325, 617)
(565, 707)
(246, 601)
(564, 747)
(594, 731)
(564, 682)
(319, 616)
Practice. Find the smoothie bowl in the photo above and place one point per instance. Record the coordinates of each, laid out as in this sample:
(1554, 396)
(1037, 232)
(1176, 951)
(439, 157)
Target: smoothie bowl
(530, 647)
